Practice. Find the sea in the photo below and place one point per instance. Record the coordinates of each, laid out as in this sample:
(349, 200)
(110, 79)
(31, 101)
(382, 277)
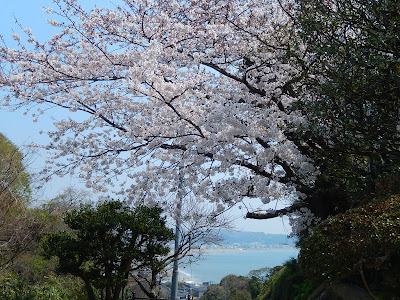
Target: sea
(215, 265)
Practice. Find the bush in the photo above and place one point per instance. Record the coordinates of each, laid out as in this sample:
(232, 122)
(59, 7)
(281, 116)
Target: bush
(304, 289)
(367, 236)
(277, 287)
(54, 288)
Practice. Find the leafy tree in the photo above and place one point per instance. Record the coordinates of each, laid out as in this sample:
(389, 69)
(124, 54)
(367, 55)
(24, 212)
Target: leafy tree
(214, 292)
(264, 273)
(230, 287)
(353, 134)
(31, 276)
(278, 100)
(109, 243)
(20, 227)
(255, 287)
(353, 98)
(232, 284)
(350, 99)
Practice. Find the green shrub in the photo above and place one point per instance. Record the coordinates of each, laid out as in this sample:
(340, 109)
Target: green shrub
(286, 284)
(304, 289)
(54, 288)
(367, 236)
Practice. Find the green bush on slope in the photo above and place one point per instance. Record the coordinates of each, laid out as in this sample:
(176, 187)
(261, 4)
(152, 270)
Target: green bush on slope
(287, 284)
(366, 237)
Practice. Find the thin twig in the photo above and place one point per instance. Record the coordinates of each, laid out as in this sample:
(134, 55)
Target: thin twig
(365, 282)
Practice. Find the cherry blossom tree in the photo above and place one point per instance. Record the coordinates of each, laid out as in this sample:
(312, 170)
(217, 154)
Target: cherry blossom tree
(162, 93)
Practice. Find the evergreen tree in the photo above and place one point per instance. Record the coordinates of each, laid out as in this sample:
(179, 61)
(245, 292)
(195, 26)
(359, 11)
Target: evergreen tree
(109, 242)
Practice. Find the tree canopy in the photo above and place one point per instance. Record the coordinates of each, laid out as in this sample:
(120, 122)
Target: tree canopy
(110, 242)
(170, 94)
(230, 100)
(231, 287)
(226, 101)
(353, 100)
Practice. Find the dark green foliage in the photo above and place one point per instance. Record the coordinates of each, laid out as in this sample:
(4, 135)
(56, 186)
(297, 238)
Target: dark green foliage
(255, 287)
(288, 282)
(260, 280)
(107, 243)
(282, 284)
(367, 237)
(304, 289)
(269, 285)
(352, 82)
(13, 288)
(352, 79)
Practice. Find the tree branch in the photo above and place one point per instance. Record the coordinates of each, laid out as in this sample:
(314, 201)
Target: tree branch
(275, 213)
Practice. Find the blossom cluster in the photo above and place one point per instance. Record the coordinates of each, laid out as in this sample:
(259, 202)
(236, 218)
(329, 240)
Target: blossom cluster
(165, 92)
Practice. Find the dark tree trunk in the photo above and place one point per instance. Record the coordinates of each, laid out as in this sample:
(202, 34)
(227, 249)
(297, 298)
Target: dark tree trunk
(117, 291)
(108, 293)
(89, 289)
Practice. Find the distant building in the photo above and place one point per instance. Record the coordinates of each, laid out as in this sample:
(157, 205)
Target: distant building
(194, 289)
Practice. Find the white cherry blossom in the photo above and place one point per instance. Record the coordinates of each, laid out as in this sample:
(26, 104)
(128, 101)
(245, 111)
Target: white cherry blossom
(155, 89)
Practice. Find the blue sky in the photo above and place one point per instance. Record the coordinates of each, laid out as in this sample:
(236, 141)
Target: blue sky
(21, 130)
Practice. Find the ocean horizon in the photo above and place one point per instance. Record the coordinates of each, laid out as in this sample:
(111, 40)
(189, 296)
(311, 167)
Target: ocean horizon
(216, 265)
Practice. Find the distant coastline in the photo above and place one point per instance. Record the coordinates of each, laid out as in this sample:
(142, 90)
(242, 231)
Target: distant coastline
(232, 250)
(240, 241)
(216, 263)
